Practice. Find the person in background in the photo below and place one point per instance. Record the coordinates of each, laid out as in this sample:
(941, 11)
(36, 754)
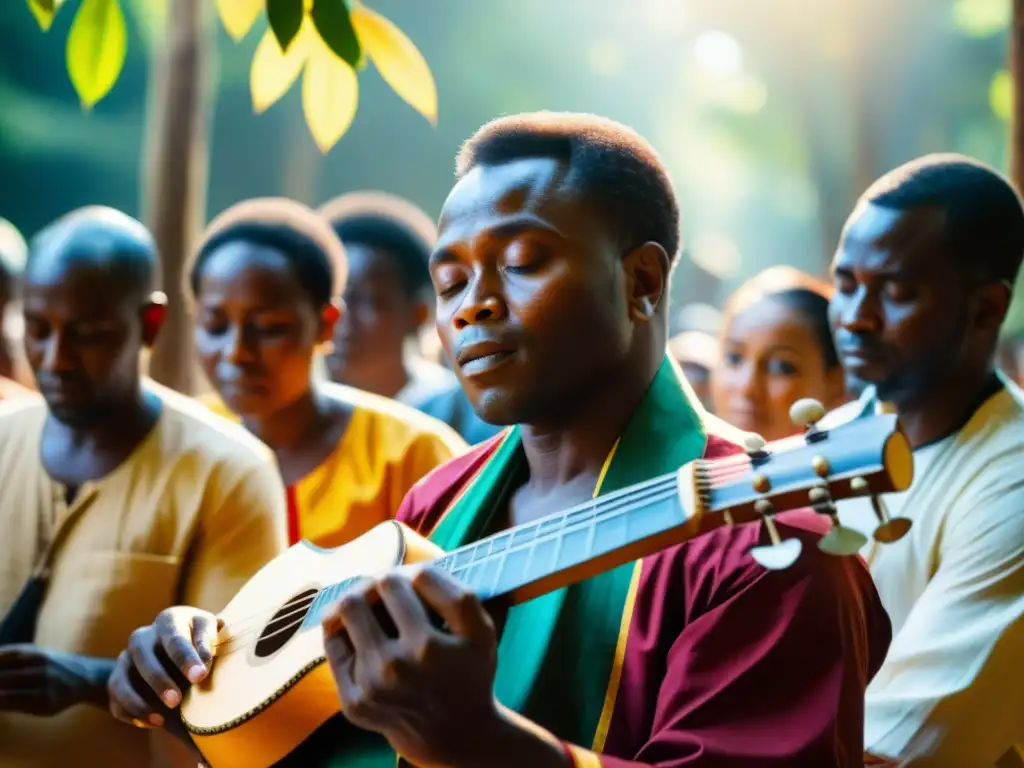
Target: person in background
(13, 368)
(552, 271)
(923, 277)
(266, 280)
(697, 353)
(696, 316)
(127, 496)
(775, 348)
(388, 299)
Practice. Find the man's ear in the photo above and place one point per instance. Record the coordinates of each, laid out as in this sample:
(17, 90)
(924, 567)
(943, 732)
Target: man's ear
(647, 270)
(154, 315)
(992, 304)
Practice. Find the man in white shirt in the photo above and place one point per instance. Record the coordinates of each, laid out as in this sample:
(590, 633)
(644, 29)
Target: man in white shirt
(923, 275)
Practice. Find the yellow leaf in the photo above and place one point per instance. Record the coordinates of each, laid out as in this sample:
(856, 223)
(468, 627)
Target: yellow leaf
(330, 95)
(399, 62)
(44, 11)
(274, 71)
(97, 44)
(238, 16)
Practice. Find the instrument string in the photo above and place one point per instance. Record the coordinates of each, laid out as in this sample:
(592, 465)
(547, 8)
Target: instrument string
(656, 496)
(717, 471)
(302, 607)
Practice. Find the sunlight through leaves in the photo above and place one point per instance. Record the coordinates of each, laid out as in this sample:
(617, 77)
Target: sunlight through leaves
(328, 40)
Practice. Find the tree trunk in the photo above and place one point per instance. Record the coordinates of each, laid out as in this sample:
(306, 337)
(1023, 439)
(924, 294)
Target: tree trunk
(1017, 73)
(1015, 319)
(176, 169)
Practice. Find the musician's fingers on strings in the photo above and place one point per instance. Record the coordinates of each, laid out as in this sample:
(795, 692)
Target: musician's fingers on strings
(456, 604)
(338, 646)
(364, 632)
(204, 637)
(331, 622)
(126, 704)
(147, 664)
(402, 603)
(176, 631)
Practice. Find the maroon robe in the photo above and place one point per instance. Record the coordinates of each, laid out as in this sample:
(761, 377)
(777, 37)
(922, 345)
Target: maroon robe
(727, 664)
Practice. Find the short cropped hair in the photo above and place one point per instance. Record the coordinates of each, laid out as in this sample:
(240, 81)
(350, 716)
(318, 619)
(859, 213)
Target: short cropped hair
(103, 237)
(312, 249)
(408, 251)
(984, 223)
(611, 164)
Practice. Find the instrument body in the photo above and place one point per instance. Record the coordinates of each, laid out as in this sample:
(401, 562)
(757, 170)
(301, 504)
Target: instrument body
(255, 709)
(270, 687)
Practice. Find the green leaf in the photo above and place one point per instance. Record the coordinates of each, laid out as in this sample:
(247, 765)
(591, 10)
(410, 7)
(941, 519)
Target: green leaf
(285, 17)
(96, 50)
(332, 20)
(44, 11)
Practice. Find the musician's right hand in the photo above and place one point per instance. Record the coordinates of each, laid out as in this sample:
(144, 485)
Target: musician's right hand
(187, 637)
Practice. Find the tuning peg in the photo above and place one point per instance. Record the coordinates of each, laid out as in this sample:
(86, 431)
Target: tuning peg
(754, 443)
(780, 554)
(806, 412)
(756, 448)
(840, 540)
(889, 529)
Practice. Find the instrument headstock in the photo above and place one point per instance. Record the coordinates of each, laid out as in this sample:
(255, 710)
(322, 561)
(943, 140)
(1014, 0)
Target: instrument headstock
(863, 457)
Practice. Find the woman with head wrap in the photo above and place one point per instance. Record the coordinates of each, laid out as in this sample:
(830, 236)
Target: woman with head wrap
(389, 300)
(266, 281)
(776, 347)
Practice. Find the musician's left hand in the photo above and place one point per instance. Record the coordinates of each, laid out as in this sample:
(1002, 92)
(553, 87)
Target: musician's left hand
(38, 681)
(429, 692)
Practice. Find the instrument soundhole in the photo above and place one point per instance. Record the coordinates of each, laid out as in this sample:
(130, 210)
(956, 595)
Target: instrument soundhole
(284, 624)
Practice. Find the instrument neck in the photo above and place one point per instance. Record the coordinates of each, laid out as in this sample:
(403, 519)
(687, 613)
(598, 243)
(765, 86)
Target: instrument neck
(519, 558)
(546, 554)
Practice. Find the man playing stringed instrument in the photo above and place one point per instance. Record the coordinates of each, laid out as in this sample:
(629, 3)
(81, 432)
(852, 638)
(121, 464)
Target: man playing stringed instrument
(551, 272)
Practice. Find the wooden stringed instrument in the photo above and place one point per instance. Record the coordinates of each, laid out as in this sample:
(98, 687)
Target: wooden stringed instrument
(270, 688)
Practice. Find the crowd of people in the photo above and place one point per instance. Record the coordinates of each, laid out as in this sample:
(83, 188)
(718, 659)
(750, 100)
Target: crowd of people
(545, 280)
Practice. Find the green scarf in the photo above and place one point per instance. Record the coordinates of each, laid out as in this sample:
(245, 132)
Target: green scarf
(557, 652)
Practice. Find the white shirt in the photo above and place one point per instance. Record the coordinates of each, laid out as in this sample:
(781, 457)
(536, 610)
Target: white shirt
(951, 690)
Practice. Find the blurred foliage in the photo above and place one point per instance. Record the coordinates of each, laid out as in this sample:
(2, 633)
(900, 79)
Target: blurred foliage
(768, 152)
(328, 39)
